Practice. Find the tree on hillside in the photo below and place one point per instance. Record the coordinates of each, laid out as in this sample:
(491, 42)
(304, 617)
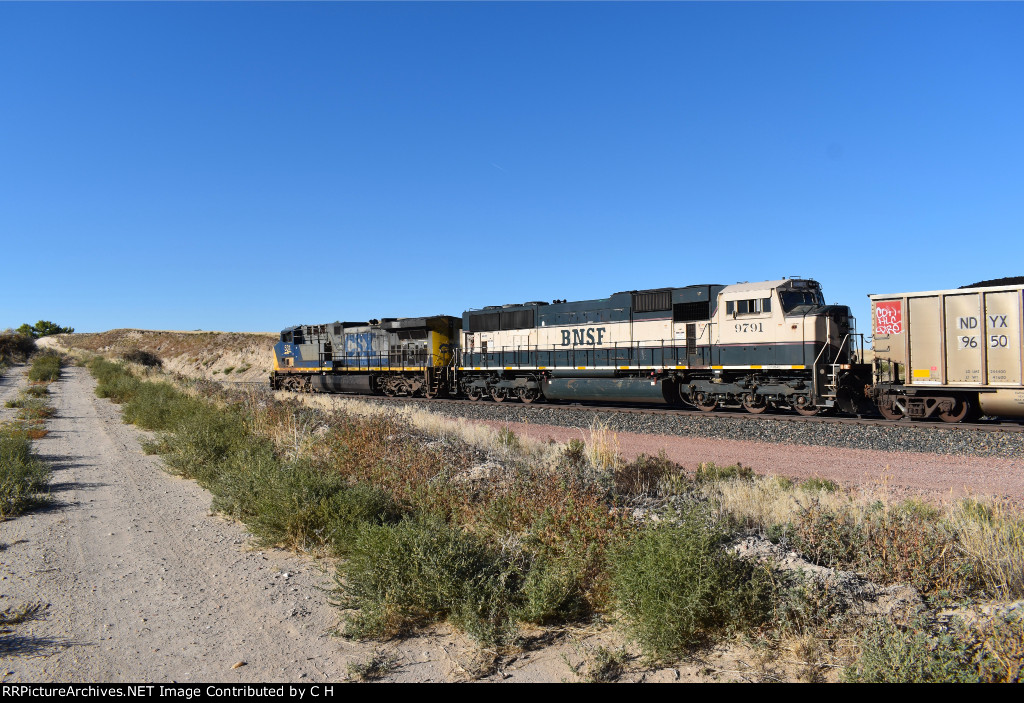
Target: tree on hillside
(43, 328)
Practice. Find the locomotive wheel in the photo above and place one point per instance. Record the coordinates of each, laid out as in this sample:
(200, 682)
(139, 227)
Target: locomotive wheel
(960, 410)
(474, 393)
(805, 410)
(499, 395)
(528, 395)
(754, 405)
(890, 411)
(293, 384)
(705, 404)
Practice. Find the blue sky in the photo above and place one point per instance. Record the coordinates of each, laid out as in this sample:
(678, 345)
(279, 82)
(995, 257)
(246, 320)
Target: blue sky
(251, 166)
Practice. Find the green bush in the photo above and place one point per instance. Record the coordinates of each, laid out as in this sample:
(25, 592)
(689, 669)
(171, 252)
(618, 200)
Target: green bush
(422, 570)
(891, 653)
(819, 484)
(552, 590)
(158, 406)
(709, 472)
(310, 509)
(113, 380)
(22, 476)
(676, 586)
(143, 358)
(45, 367)
(35, 409)
(15, 347)
(645, 474)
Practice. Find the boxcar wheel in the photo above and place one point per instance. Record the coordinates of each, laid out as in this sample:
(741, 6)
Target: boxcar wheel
(890, 411)
(960, 410)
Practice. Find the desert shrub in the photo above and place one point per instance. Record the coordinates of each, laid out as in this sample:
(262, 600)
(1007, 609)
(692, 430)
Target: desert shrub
(677, 586)
(709, 473)
(992, 536)
(575, 451)
(305, 508)
(553, 590)
(113, 380)
(422, 570)
(45, 367)
(15, 347)
(35, 409)
(143, 358)
(158, 406)
(819, 484)
(228, 370)
(913, 653)
(22, 476)
(890, 543)
(40, 391)
(645, 474)
(508, 439)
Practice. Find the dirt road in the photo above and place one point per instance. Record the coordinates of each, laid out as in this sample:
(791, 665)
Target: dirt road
(140, 582)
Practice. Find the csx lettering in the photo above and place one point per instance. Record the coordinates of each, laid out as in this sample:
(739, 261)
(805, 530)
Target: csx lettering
(997, 321)
(967, 323)
(584, 335)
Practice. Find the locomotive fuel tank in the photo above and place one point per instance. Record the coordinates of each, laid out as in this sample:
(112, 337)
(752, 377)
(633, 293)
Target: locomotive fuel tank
(616, 390)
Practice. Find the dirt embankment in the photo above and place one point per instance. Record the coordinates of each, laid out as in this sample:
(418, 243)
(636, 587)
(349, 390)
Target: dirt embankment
(219, 356)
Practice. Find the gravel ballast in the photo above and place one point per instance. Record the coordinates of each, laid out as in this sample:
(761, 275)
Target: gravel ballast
(928, 438)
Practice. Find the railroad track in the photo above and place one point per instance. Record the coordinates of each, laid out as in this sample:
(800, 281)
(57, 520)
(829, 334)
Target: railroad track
(984, 426)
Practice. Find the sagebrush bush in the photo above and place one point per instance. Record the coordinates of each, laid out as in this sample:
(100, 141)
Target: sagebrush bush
(645, 474)
(709, 472)
(45, 367)
(890, 543)
(15, 347)
(913, 653)
(423, 570)
(143, 358)
(677, 586)
(113, 381)
(23, 478)
(312, 510)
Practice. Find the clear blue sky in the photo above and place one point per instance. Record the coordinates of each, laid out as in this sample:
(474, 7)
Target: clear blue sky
(251, 166)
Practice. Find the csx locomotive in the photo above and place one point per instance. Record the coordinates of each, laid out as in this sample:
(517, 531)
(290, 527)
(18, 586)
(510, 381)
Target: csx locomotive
(773, 344)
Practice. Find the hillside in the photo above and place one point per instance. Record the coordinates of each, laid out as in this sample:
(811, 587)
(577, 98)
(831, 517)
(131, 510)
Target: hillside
(230, 356)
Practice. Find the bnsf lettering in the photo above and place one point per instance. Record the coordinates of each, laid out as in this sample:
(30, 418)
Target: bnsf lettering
(584, 335)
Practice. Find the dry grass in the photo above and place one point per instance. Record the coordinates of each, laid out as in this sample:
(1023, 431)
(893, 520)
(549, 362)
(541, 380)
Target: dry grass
(766, 504)
(992, 533)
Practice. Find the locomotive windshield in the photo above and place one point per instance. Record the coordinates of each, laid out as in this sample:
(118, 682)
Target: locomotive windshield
(795, 298)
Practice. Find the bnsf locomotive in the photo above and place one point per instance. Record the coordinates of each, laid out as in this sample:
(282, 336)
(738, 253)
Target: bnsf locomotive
(774, 344)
